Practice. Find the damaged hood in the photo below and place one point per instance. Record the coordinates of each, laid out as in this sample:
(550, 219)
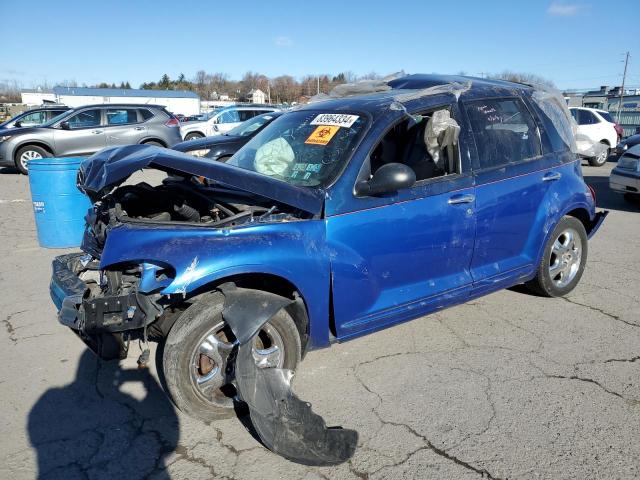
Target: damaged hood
(110, 167)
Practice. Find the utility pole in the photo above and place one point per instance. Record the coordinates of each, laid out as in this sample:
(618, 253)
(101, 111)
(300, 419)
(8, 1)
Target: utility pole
(624, 77)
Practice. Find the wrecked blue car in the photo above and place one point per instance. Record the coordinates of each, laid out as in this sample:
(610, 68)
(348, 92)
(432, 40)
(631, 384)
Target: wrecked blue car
(342, 217)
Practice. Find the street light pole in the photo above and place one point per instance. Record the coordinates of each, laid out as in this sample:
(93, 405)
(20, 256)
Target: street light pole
(624, 77)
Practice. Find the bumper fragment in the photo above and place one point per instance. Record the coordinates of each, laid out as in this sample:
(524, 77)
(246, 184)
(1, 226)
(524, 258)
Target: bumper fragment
(285, 424)
(596, 223)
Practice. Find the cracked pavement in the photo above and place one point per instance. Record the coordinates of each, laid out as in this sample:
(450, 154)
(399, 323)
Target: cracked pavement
(507, 386)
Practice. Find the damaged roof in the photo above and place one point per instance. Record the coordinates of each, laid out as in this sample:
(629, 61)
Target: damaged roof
(407, 88)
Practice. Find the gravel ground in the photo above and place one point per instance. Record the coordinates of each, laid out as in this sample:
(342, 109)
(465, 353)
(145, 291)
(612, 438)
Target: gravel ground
(507, 386)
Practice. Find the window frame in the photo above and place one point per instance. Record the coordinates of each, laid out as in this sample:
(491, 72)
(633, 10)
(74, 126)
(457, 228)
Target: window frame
(476, 164)
(364, 173)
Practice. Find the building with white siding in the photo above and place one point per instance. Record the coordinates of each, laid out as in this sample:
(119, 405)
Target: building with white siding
(176, 101)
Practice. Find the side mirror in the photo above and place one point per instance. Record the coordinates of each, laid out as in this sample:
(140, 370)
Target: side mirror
(388, 179)
(18, 124)
(65, 126)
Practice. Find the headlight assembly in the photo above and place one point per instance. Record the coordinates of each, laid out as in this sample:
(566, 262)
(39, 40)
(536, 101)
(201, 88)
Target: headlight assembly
(199, 153)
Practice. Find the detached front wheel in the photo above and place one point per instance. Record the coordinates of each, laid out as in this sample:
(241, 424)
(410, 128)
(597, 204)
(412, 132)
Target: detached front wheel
(198, 362)
(563, 261)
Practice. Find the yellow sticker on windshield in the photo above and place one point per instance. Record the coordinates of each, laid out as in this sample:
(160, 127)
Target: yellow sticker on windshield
(322, 135)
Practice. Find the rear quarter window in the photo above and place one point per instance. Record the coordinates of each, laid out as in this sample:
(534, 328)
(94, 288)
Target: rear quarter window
(145, 114)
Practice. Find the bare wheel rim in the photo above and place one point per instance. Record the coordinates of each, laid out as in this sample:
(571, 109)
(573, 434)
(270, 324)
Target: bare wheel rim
(28, 155)
(602, 157)
(565, 258)
(208, 367)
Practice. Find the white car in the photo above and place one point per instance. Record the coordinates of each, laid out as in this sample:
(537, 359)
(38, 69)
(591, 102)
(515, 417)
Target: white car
(221, 121)
(595, 127)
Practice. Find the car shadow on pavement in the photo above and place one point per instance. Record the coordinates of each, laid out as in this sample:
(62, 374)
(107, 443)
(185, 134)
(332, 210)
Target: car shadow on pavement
(9, 171)
(94, 428)
(607, 198)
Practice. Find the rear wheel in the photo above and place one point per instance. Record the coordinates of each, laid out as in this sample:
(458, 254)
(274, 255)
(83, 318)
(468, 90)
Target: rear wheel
(563, 261)
(601, 159)
(196, 364)
(25, 154)
(154, 143)
(193, 136)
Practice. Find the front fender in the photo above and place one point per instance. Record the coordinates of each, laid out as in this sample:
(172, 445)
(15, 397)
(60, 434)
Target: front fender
(295, 251)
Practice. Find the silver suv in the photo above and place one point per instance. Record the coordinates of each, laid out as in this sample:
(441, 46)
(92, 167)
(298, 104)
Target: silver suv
(85, 130)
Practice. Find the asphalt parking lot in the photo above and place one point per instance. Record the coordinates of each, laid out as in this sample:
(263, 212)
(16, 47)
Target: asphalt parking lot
(507, 386)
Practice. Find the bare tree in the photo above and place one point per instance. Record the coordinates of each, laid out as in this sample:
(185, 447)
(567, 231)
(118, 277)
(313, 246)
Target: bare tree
(519, 77)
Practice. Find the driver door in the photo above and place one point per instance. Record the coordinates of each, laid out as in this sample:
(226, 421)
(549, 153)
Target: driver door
(84, 135)
(398, 256)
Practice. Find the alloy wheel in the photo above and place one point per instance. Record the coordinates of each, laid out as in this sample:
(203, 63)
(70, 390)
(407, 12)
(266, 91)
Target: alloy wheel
(28, 155)
(565, 259)
(210, 370)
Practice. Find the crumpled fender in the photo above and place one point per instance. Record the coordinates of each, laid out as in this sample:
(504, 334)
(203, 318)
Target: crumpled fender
(285, 424)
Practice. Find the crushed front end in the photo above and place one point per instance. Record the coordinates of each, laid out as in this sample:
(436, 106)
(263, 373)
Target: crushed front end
(99, 306)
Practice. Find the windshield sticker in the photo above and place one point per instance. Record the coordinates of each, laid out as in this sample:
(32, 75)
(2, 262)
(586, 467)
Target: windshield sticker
(322, 135)
(335, 119)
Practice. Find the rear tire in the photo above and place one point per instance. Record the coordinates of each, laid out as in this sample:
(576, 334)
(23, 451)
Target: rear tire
(186, 368)
(30, 152)
(601, 159)
(193, 136)
(154, 143)
(563, 260)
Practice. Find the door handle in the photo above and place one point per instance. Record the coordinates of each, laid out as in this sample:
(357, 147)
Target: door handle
(457, 199)
(139, 128)
(96, 131)
(551, 176)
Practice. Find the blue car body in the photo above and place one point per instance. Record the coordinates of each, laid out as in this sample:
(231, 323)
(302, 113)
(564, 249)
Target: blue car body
(359, 263)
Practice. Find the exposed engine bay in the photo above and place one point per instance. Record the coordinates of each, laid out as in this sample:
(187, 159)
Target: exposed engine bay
(184, 200)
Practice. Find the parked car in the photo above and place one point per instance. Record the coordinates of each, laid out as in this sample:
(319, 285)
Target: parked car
(85, 130)
(34, 117)
(625, 177)
(338, 219)
(222, 147)
(627, 143)
(598, 127)
(221, 121)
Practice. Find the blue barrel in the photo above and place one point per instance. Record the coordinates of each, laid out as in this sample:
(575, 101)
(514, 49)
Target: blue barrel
(58, 206)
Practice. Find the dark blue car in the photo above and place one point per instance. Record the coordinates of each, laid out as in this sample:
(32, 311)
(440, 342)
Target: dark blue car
(340, 218)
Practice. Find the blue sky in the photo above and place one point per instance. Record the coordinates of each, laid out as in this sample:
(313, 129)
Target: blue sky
(575, 44)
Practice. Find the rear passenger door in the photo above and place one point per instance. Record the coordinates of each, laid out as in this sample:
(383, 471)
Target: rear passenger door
(511, 183)
(123, 126)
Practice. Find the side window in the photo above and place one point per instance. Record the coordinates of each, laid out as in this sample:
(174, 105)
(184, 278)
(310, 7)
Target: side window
(35, 118)
(585, 117)
(121, 116)
(145, 114)
(428, 143)
(246, 114)
(504, 130)
(53, 113)
(86, 119)
(230, 116)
